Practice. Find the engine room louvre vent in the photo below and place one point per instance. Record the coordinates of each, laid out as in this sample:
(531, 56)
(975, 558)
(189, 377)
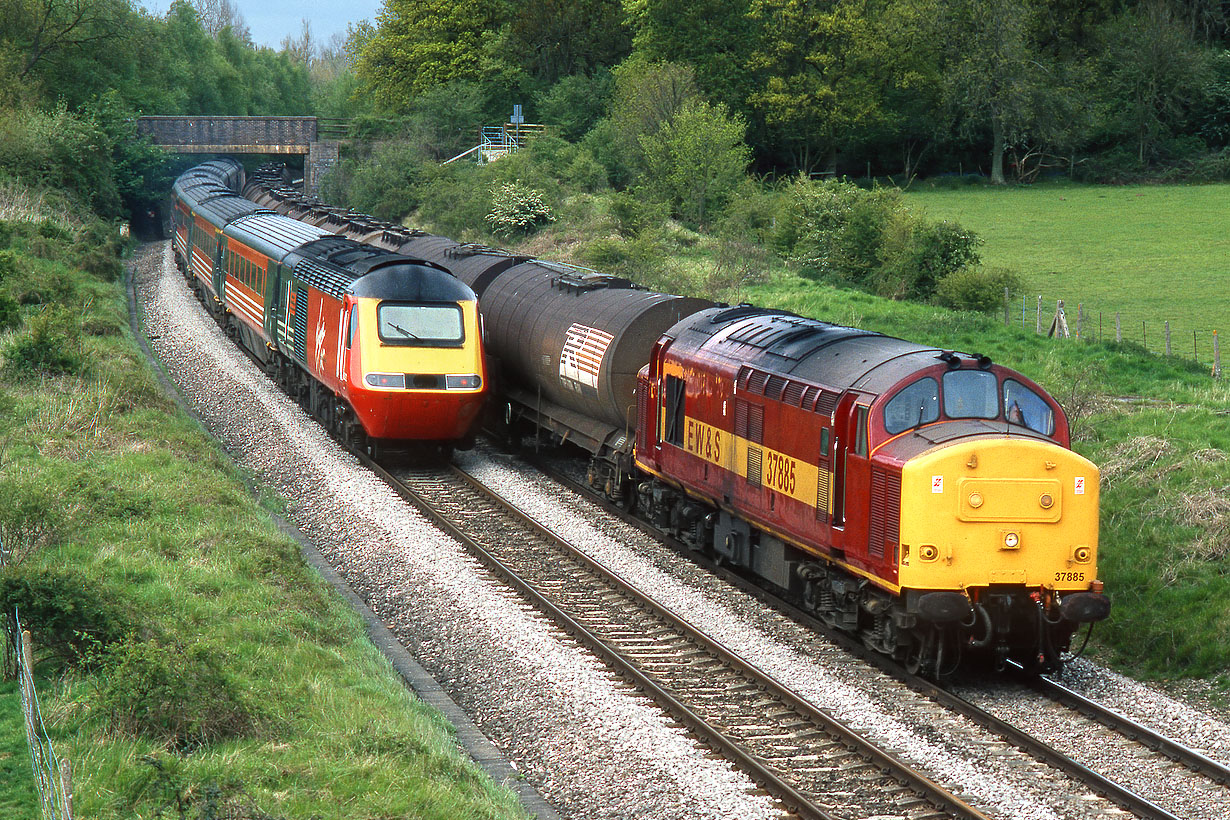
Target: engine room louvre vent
(822, 494)
(755, 424)
(885, 512)
(755, 466)
(774, 387)
(741, 418)
(827, 403)
(301, 317)
(793, 394)
(757, 381)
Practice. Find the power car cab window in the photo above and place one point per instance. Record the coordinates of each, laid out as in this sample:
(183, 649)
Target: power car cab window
(1025, 407)
(914, 405)
(404, 324)
(970, 394)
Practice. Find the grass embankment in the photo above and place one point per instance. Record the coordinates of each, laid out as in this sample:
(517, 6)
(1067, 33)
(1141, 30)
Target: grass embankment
(218, 672)
(1154, 253)
(1157, 427)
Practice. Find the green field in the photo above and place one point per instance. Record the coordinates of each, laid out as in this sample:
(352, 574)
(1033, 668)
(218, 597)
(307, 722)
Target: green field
(1150, 252)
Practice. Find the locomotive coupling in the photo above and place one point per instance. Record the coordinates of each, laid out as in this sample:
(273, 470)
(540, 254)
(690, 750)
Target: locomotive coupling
(1084, 607)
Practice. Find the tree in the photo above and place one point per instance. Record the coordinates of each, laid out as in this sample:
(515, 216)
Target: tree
(45, 30)
(551, 39)
(647, 94)
(822, 80)
(696, 159)
(994, 78)
(420, 44)
(1153, 75)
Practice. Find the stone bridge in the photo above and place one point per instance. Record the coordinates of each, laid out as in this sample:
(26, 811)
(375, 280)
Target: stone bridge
(314, 137)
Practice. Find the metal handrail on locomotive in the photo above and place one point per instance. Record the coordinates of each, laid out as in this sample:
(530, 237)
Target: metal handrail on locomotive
(924, 499)
(384, 348)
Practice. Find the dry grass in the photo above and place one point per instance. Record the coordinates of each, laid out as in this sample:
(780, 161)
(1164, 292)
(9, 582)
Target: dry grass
(1139, 457)
(19, 204)
(72, 425)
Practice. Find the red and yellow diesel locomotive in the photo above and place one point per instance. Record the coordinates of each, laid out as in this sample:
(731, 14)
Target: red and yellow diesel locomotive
(385, 349)
(924, 499)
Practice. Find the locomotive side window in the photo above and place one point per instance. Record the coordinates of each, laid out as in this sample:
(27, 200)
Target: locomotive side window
(860, 443)
(1024, 406)
(674, 410)
(913, 406)
(405, 324)
(970, 394)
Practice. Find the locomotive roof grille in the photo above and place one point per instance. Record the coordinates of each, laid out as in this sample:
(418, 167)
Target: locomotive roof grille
(328, 278)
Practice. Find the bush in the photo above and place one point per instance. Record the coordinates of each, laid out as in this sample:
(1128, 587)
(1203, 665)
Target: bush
(51, 344)
(977, 288)
(65, 614)
(10, 313)
(837, 231)
(640, 259)
(517, 210)
(179, 695)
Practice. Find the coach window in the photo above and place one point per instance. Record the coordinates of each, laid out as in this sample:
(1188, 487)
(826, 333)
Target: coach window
(913, 406)
(1025, 407)
(860, 443)
(674, 410)
(970, 394)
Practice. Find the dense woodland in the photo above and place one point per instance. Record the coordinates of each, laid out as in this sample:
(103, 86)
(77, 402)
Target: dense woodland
(1008, 89)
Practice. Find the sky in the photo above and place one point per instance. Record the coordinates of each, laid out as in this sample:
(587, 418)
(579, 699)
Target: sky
(272, 20)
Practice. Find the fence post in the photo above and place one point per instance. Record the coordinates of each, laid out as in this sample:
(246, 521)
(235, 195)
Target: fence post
(1167, 337)
(1216, 355)
(1080, 320)
(1005, 306)
(1039, 328)
(1195, 350)
(1118, 329)
(66, 785)
(1144, 336)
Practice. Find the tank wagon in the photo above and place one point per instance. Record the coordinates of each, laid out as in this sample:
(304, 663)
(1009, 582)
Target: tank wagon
(384, 348)
(925, 499)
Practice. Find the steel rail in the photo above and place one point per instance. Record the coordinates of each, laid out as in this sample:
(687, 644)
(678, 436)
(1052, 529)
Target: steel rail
(1131, 729)
(772, 780)
(1103, 786)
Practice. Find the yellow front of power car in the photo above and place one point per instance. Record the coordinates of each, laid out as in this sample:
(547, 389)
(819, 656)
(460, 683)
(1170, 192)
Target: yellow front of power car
(1003, 511)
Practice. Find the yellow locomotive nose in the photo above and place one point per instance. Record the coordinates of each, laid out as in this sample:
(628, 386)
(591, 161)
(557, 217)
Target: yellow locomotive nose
(1002, 511)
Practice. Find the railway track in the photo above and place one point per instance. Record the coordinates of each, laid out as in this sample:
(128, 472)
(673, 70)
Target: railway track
(1209, 774)
(814, 765)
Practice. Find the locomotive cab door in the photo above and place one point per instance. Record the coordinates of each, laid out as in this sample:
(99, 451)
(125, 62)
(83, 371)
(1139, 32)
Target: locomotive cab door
(852, 469)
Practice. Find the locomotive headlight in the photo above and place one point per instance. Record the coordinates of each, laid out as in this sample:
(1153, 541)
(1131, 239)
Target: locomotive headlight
(975, 500)
(394, 381)
(1011, 540)
(468, 382)
(1046, 501)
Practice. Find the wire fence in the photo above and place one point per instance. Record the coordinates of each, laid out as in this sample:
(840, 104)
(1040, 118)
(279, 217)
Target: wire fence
(52, 776)
(1203, 347)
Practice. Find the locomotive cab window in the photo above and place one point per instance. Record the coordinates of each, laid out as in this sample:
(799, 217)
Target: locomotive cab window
(1025, 407)
(421, 324)
(970, 394)
(913, 406)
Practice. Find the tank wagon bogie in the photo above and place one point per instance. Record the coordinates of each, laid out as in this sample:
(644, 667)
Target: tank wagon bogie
(924, 499)
(384, 348)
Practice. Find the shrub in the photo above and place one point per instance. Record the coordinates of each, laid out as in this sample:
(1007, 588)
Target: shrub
(10, 313)
(977, 288)
(51, 344)
(640, 259)
(179, 695)
(65, 614)
(869, 238)
(517, 210)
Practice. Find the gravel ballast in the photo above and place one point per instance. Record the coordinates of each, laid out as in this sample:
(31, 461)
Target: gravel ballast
(585, 740)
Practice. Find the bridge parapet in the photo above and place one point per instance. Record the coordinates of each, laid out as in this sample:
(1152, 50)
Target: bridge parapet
(231, 135)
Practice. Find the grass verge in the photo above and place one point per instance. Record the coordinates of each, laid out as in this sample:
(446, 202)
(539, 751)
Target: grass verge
(190, 663)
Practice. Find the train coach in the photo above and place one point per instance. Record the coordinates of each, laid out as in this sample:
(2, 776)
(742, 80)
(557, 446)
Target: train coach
(924, 499)
(385, 349)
